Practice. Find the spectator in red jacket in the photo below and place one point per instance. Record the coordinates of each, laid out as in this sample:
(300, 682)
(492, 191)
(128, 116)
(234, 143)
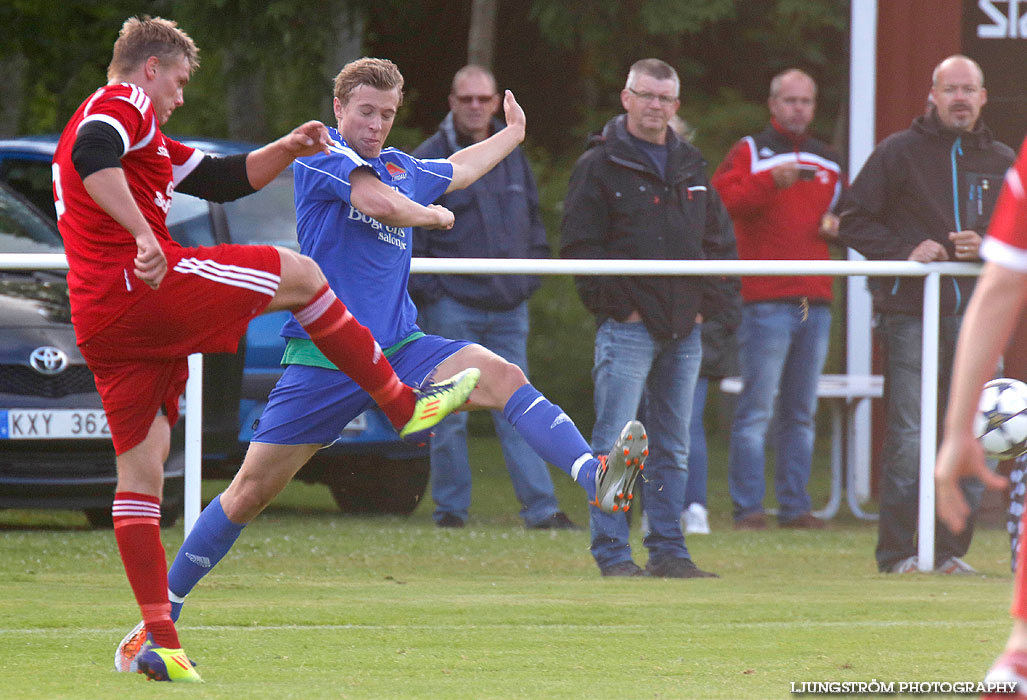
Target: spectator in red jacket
(779, 187)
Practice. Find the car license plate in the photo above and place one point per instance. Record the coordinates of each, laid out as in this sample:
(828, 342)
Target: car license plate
(57, 424)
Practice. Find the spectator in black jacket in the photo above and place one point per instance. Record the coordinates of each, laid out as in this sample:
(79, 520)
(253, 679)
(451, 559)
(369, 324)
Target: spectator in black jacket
(496, 217)
(640, 193)
(925, 194)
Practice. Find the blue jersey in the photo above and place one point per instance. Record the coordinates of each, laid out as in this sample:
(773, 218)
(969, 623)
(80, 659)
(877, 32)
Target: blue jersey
(366, 262)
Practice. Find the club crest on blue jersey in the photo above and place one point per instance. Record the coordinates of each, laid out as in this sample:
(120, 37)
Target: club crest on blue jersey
(395, 171)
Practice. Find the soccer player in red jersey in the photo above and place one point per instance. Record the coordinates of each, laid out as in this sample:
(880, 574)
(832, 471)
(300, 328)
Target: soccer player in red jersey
(990, 318)
(141, 303)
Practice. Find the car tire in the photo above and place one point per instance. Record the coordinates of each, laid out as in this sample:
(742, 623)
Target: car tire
(100, 518)
(372, 484)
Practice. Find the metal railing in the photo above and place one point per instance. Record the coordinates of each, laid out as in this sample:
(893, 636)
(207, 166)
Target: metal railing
(932, 273)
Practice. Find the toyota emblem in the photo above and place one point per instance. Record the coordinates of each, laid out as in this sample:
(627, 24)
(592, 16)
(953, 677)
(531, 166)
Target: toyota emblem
(48, 360)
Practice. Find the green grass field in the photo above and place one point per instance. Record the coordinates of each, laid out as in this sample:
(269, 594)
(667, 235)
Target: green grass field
(311, 604)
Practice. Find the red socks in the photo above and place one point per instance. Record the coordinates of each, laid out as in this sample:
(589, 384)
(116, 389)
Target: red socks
(352, 348)
(137, 530)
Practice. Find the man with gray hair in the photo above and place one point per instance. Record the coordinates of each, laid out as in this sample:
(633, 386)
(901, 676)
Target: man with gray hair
(925, 194)
(639, 192)
(780, 186)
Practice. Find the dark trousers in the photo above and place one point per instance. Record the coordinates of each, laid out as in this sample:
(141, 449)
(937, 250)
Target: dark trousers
(900, 454)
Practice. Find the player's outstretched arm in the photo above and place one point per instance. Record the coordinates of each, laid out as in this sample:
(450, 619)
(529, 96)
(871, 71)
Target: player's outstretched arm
(264, 164)
(109, 189)
(474, 161)
(990, 317)
(382, 203)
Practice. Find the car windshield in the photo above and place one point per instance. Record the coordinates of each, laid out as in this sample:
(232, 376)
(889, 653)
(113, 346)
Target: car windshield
(189, 221)
(267, 216)
(23, 230)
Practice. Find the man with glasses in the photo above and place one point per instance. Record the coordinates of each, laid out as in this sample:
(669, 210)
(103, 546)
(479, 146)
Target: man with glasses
(496, 217)
(639, 192)
(780, 186)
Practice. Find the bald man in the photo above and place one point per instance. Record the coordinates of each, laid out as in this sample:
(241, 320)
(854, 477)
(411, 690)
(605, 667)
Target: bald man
(924, 194)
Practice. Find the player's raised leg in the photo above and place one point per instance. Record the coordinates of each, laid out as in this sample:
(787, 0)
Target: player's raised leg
(351, 347)
(549, 431)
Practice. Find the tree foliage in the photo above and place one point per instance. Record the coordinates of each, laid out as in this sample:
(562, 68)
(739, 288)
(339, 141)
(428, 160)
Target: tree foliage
(267, 65)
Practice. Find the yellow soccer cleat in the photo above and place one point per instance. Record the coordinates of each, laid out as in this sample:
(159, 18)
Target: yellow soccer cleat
(436, 401)
(160, 664)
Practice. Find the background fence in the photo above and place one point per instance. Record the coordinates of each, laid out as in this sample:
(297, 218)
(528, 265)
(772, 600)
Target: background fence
(931, 273)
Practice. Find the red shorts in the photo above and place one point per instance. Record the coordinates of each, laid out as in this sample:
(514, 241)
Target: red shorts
(204, 304)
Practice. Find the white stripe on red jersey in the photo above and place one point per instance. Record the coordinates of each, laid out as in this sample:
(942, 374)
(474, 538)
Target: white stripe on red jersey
(98, 248)
(110, 121)
(181, 172)
(1006, 242)
(233, 275)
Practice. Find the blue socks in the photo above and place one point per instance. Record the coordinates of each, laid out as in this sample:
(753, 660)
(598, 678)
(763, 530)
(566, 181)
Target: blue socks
(208, 542)
(552, 434)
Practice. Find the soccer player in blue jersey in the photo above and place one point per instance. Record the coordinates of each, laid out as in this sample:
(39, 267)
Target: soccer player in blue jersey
(355, 207)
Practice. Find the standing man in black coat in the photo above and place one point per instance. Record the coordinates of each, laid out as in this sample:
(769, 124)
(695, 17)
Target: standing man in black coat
(640, 192)
(925, 194)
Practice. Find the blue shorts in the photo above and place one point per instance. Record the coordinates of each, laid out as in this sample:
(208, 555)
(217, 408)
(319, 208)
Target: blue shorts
(311, 405)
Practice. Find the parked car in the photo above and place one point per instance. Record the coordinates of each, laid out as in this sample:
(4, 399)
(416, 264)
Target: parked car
(55, 448)
(368, 469)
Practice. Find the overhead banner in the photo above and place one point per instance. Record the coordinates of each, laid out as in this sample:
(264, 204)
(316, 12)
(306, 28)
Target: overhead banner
(995, 35)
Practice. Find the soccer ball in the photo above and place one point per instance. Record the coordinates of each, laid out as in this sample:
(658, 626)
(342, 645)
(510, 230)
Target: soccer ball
(1001, 420)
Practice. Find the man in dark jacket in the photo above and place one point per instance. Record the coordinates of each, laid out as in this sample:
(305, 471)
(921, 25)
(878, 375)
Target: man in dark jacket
(925, 194)
(641, 193)
(496, 217)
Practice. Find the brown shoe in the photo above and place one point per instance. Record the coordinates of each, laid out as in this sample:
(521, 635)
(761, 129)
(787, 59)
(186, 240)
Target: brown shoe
(806, 521)
(753, 521)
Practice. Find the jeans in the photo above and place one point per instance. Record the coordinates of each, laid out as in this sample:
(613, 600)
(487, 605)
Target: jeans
(504, 333)
(900, 453)
(628, 362)
(695, 491)
(781, 350)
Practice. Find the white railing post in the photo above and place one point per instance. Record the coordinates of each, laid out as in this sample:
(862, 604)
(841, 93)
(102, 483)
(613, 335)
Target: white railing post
(859, 339)
(928, 419)
(193, 441)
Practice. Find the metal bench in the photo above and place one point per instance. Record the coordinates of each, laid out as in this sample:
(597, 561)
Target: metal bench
(845, 392)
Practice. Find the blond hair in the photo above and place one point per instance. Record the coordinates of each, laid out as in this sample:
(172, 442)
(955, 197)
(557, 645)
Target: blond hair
(379, 73)
(145, 36)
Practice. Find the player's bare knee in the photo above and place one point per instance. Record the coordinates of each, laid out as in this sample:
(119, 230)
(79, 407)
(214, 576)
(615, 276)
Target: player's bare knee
(301, 277)
(244, 499)
(501, 378)
(311, 274)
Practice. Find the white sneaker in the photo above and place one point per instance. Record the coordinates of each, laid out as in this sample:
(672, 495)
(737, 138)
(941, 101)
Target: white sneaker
(695, 520)
(126, 652)
(617, 472)
(955, 565)
(909, 565)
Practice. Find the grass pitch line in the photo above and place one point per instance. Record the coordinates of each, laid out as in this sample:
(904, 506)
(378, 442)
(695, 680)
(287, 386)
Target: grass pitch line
(782, 624)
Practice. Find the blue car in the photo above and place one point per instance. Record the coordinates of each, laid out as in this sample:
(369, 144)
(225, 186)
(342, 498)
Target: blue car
(368, 469)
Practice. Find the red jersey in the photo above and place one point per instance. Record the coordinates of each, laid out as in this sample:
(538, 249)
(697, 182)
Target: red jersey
(776, 224)
(101, 280)
(1006, 242)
